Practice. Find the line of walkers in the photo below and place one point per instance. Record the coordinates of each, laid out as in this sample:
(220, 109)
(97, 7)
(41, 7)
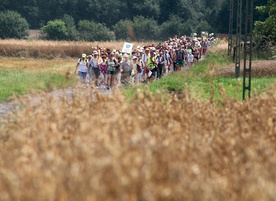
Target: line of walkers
(107, 68)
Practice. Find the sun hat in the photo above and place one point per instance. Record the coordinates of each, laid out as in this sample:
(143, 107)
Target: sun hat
(134, 57)
(95, 52)
(125, 55)
(83, 55)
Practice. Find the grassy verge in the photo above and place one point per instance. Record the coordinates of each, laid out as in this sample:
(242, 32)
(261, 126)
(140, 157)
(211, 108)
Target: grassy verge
(21, 82)
(20, 76)
(201, 85)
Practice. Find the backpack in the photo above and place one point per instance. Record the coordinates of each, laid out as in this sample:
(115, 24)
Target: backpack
(179, 54)
(139, 68)
(126, 67)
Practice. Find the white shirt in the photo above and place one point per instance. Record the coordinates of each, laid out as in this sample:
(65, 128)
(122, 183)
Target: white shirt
(82, 66)
(94, 62)
(190, 58)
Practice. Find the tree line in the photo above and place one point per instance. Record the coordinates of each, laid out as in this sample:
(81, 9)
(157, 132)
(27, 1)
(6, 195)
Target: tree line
(96, 20)
(213, 14)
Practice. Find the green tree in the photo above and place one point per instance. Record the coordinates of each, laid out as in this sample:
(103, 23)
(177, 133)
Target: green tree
(92, 31)
(265, 32)
(145, 28)
(268, 27)
(72, 32)
(203, 26)
(124, 30)
(13, 25)
(108, 11)
(174, 26)
(55, 30)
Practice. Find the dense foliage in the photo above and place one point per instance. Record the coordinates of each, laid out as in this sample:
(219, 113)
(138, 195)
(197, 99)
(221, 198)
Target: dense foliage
(265, 31)
(13, 25)
(133, 20)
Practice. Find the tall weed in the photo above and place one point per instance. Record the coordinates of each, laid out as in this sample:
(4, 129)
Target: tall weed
(107, 149)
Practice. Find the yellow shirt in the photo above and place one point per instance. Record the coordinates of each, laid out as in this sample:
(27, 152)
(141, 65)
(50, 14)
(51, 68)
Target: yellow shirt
(151, 63)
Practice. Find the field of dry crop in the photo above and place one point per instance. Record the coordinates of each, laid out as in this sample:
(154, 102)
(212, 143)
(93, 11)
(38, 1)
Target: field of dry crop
(150, 150)
(28, 64)
(153, 148)
(53, 49)
(260, 68)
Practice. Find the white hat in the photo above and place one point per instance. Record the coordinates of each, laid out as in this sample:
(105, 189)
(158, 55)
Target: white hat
(134, 57)
(125, 55)
(95, 52)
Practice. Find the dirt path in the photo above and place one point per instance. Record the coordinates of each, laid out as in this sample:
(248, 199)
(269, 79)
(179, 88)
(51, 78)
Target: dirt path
(11, 106)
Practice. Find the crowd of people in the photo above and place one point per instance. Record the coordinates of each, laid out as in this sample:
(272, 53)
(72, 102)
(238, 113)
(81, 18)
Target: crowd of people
(107, 68)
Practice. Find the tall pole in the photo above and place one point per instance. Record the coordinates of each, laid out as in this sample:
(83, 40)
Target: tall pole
(248, 48)
(238, 39)
(230, 33)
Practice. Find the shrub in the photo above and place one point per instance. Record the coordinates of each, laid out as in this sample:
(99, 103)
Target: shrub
(13, 25)
(55, 30)
(124, 29)
(174, 26)
(265, 32)
(92, 31)
(145, 28)
(72, 32)
(203, 26)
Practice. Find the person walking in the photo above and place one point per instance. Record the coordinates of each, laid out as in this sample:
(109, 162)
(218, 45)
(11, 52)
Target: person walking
(134, 70)
(111, 63)
(95, 63)
(151, 65)
(82, 67)
(179, 58)
(160, 59)
(118, 70)
(126, 69)
(144, 60)
(190, 59)
(103, 70)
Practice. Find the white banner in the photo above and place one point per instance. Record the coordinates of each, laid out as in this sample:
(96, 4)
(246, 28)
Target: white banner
(127, 48)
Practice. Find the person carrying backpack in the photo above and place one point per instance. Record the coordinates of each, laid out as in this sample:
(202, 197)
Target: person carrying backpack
(82, 67)
(126, 69)
(151, 65)
(179, 58)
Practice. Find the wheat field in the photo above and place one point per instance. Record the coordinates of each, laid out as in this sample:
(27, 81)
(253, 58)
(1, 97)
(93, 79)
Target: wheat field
(259, 68)
(54, 49)
(154, 148)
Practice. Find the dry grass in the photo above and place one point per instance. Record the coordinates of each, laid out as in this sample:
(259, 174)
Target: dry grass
(222, 47)
(28, 64)
(260, 68)
(149, 150)
(52, 49)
